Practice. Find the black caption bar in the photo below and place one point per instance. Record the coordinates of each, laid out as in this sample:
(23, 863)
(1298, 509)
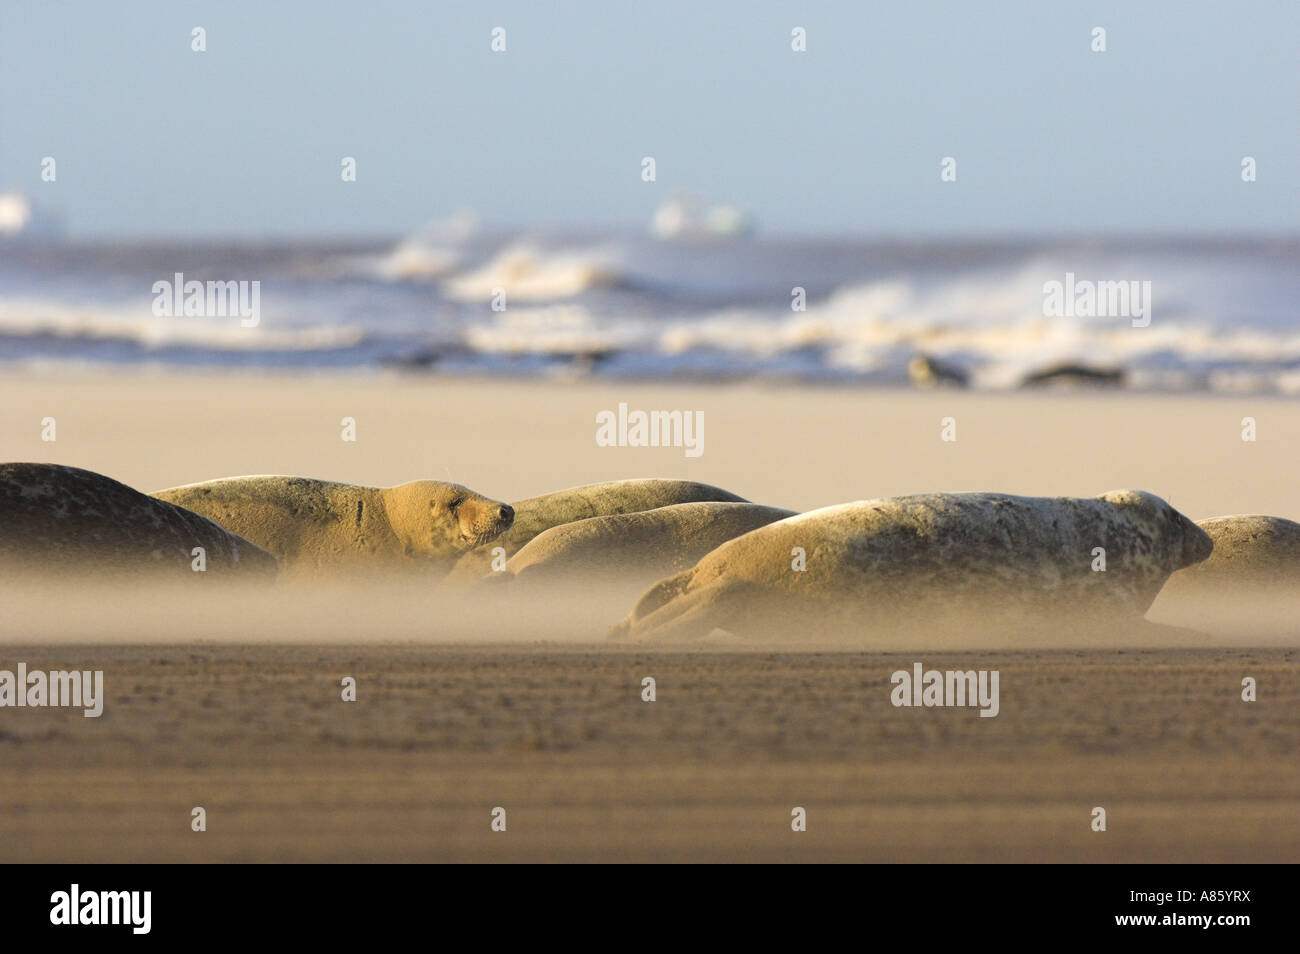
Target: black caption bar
(146, 904)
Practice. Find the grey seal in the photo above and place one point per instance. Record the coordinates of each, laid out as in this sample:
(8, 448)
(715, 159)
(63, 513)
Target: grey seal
(58, 518)
(969, 560)
(538, 514)
(319, 525)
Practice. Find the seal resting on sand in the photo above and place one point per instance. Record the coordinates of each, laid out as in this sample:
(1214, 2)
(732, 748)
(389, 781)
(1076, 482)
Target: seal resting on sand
(979, 561)
(1250, 583)
(537, 514)
(315, 525)
(1249, 550)
(629, 551)
(64, 519)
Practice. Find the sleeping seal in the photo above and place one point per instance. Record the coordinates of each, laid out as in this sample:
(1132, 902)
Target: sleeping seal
(317, 525)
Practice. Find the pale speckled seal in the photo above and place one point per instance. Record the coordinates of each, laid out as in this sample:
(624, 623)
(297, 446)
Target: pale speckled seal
(1251, 583)
(318, 525)
(537, 514)
(64, 519)
(1249, 549)
(980, 560)
(625, 553)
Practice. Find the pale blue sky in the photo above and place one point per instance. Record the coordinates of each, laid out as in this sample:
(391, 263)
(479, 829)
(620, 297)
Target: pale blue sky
(246, 139)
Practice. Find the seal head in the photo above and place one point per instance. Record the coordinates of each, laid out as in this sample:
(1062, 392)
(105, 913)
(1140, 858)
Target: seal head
(432, 518)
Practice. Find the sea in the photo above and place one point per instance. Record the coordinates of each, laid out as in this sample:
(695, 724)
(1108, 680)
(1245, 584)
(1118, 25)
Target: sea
(1218, 314)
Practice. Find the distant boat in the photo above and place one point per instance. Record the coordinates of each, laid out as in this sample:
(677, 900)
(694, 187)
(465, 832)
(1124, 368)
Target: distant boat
(20, 219)
(688, 217)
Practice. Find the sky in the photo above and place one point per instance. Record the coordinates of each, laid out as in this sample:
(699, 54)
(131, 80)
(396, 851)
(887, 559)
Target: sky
(151, 138)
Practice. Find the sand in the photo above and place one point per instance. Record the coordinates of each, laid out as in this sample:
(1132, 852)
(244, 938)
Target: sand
(710, 771)
(238, 710)
(798, 448)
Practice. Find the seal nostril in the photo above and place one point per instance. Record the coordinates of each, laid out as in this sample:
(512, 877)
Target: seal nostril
(507, 512)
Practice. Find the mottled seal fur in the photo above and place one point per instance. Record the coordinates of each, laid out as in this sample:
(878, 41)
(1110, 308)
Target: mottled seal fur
(978, 560)
(538, 514)
(317, 525)
(1250, 583)
(55, 519)
(1251, 549)
(624, 553)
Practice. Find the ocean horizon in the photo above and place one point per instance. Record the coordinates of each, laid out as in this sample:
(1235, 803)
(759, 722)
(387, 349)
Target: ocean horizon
(1208, 314)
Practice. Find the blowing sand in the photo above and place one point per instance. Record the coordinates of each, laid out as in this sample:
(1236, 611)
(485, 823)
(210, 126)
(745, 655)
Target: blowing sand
(238, 710)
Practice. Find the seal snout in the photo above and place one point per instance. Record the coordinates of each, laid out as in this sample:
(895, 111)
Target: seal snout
(505, 517)
(482, 519)
(1197, 544)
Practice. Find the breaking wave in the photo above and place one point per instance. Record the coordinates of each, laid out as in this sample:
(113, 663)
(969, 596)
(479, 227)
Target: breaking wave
(1223, 314)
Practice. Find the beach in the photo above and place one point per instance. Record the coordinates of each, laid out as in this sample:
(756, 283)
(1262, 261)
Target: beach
(558, 736)
(237, 708)
(794, 447)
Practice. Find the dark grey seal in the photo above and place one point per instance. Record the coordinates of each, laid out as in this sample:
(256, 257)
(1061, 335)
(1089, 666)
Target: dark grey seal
(55, 519)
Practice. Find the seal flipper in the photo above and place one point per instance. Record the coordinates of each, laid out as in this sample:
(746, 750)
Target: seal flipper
(687, 614)
(659, 594)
